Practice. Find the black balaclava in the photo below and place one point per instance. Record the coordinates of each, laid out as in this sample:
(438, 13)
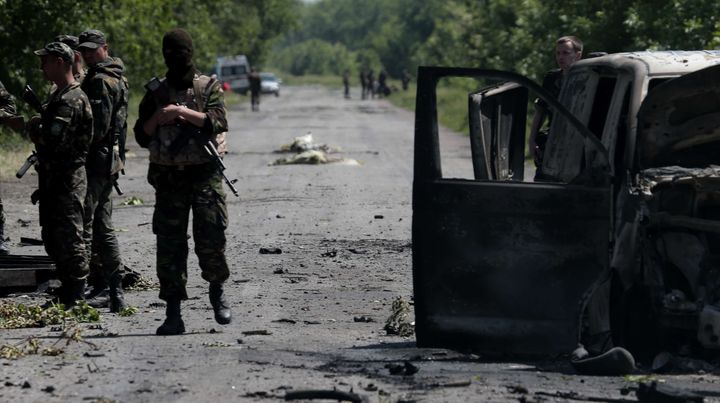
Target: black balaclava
(177, 49)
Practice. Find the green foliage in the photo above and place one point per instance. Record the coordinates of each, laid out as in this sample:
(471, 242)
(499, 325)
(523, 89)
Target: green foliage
(134, 30)
(128, 311)
(516, 35)
(13, 316)
(316, 57)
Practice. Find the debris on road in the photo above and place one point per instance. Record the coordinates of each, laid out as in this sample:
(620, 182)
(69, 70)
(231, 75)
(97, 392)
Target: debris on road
(364, 319)
(133, 201)
(261, 332)
(398, 323)
(406, 368)
(290, 321)
(270, 251)
(323, 394)
(655, 392)
(305, 143)
(30, 241)
(314, 157)
(330, 253)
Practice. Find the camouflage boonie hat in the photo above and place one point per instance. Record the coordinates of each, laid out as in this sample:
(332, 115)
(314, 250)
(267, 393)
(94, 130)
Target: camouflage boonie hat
(92, 39)
(70, 40)
(58, 49)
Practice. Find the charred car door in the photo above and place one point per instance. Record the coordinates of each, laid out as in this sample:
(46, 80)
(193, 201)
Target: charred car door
(500, 266)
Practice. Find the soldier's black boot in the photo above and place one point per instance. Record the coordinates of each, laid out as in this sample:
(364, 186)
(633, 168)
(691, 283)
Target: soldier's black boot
(117, 298)
(3, 245)
(223, 315)
(173, 321)
(100, 299)
(72, 293)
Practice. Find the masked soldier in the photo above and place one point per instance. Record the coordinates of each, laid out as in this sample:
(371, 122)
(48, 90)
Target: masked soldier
(178, 115)
(107, 89)
(62, 138)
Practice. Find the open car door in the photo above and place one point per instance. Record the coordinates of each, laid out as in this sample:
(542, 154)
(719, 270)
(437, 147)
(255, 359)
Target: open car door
(499, 266)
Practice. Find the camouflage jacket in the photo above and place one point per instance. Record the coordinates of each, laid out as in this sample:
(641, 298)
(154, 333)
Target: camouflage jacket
(182, 143)
(66, 130)
(107, 89)
(7, 103)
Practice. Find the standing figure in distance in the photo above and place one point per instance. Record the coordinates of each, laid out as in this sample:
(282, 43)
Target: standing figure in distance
(62, 138)
(363, 84)
(108, 91)
(405, 79)
(568, 50)
(255, 86)
(178, 115)
(346, 83)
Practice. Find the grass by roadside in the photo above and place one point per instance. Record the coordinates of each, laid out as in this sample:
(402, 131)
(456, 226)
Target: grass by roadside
(14, 148)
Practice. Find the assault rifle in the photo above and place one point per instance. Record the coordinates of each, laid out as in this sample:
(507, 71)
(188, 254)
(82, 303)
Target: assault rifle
(31, 99)
(220, 165)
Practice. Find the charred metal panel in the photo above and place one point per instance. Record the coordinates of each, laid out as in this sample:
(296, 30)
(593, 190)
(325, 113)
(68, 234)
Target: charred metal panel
(497, 132)
(20, 271)
(501, 267)
(679, 122)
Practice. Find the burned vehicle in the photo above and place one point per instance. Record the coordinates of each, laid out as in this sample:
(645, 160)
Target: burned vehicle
(620, 247)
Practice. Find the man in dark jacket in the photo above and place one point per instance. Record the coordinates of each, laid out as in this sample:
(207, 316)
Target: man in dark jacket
(107, 89)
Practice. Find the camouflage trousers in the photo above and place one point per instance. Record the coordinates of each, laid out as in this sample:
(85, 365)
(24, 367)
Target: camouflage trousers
(178, 190)
(102, 248)
(61, 217)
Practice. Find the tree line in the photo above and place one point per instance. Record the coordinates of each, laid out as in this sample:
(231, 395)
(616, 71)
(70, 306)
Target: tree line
(134, 30)
(518, 35)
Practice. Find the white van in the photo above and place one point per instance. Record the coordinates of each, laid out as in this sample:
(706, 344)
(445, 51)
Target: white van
(234, 71)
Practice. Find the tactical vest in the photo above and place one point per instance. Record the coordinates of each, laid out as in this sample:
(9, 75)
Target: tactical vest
(182, 143)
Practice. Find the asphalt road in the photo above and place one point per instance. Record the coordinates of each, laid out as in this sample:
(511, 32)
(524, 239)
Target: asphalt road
(344, 233)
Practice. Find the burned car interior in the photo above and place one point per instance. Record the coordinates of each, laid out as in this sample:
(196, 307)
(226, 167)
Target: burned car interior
(618, 247)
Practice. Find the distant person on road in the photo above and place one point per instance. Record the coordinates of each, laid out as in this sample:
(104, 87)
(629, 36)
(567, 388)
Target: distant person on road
(346, 83)
(178, 115)
(363, 84)
(62, 136)
(255, 86)
(568, 50)
(371, 83)
(383, 89)
(405, 79)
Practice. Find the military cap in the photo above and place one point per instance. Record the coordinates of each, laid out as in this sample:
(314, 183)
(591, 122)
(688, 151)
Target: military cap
(58, 49)
(92, 38)
(69, 40)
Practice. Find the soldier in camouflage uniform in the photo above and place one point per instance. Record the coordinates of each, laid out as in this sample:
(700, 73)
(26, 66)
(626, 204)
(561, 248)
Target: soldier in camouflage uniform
(7, 112)
(73, 42)
(107, 89)
(177, 116)
(62, 138)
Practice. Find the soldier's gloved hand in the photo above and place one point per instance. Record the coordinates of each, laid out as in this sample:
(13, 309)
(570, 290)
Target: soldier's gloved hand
(33, 127)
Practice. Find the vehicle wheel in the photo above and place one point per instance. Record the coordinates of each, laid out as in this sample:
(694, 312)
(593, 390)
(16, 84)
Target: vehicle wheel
(277, 93)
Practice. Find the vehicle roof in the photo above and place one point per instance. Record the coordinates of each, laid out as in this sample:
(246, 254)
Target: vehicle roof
(661, 62)
(236, 59)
